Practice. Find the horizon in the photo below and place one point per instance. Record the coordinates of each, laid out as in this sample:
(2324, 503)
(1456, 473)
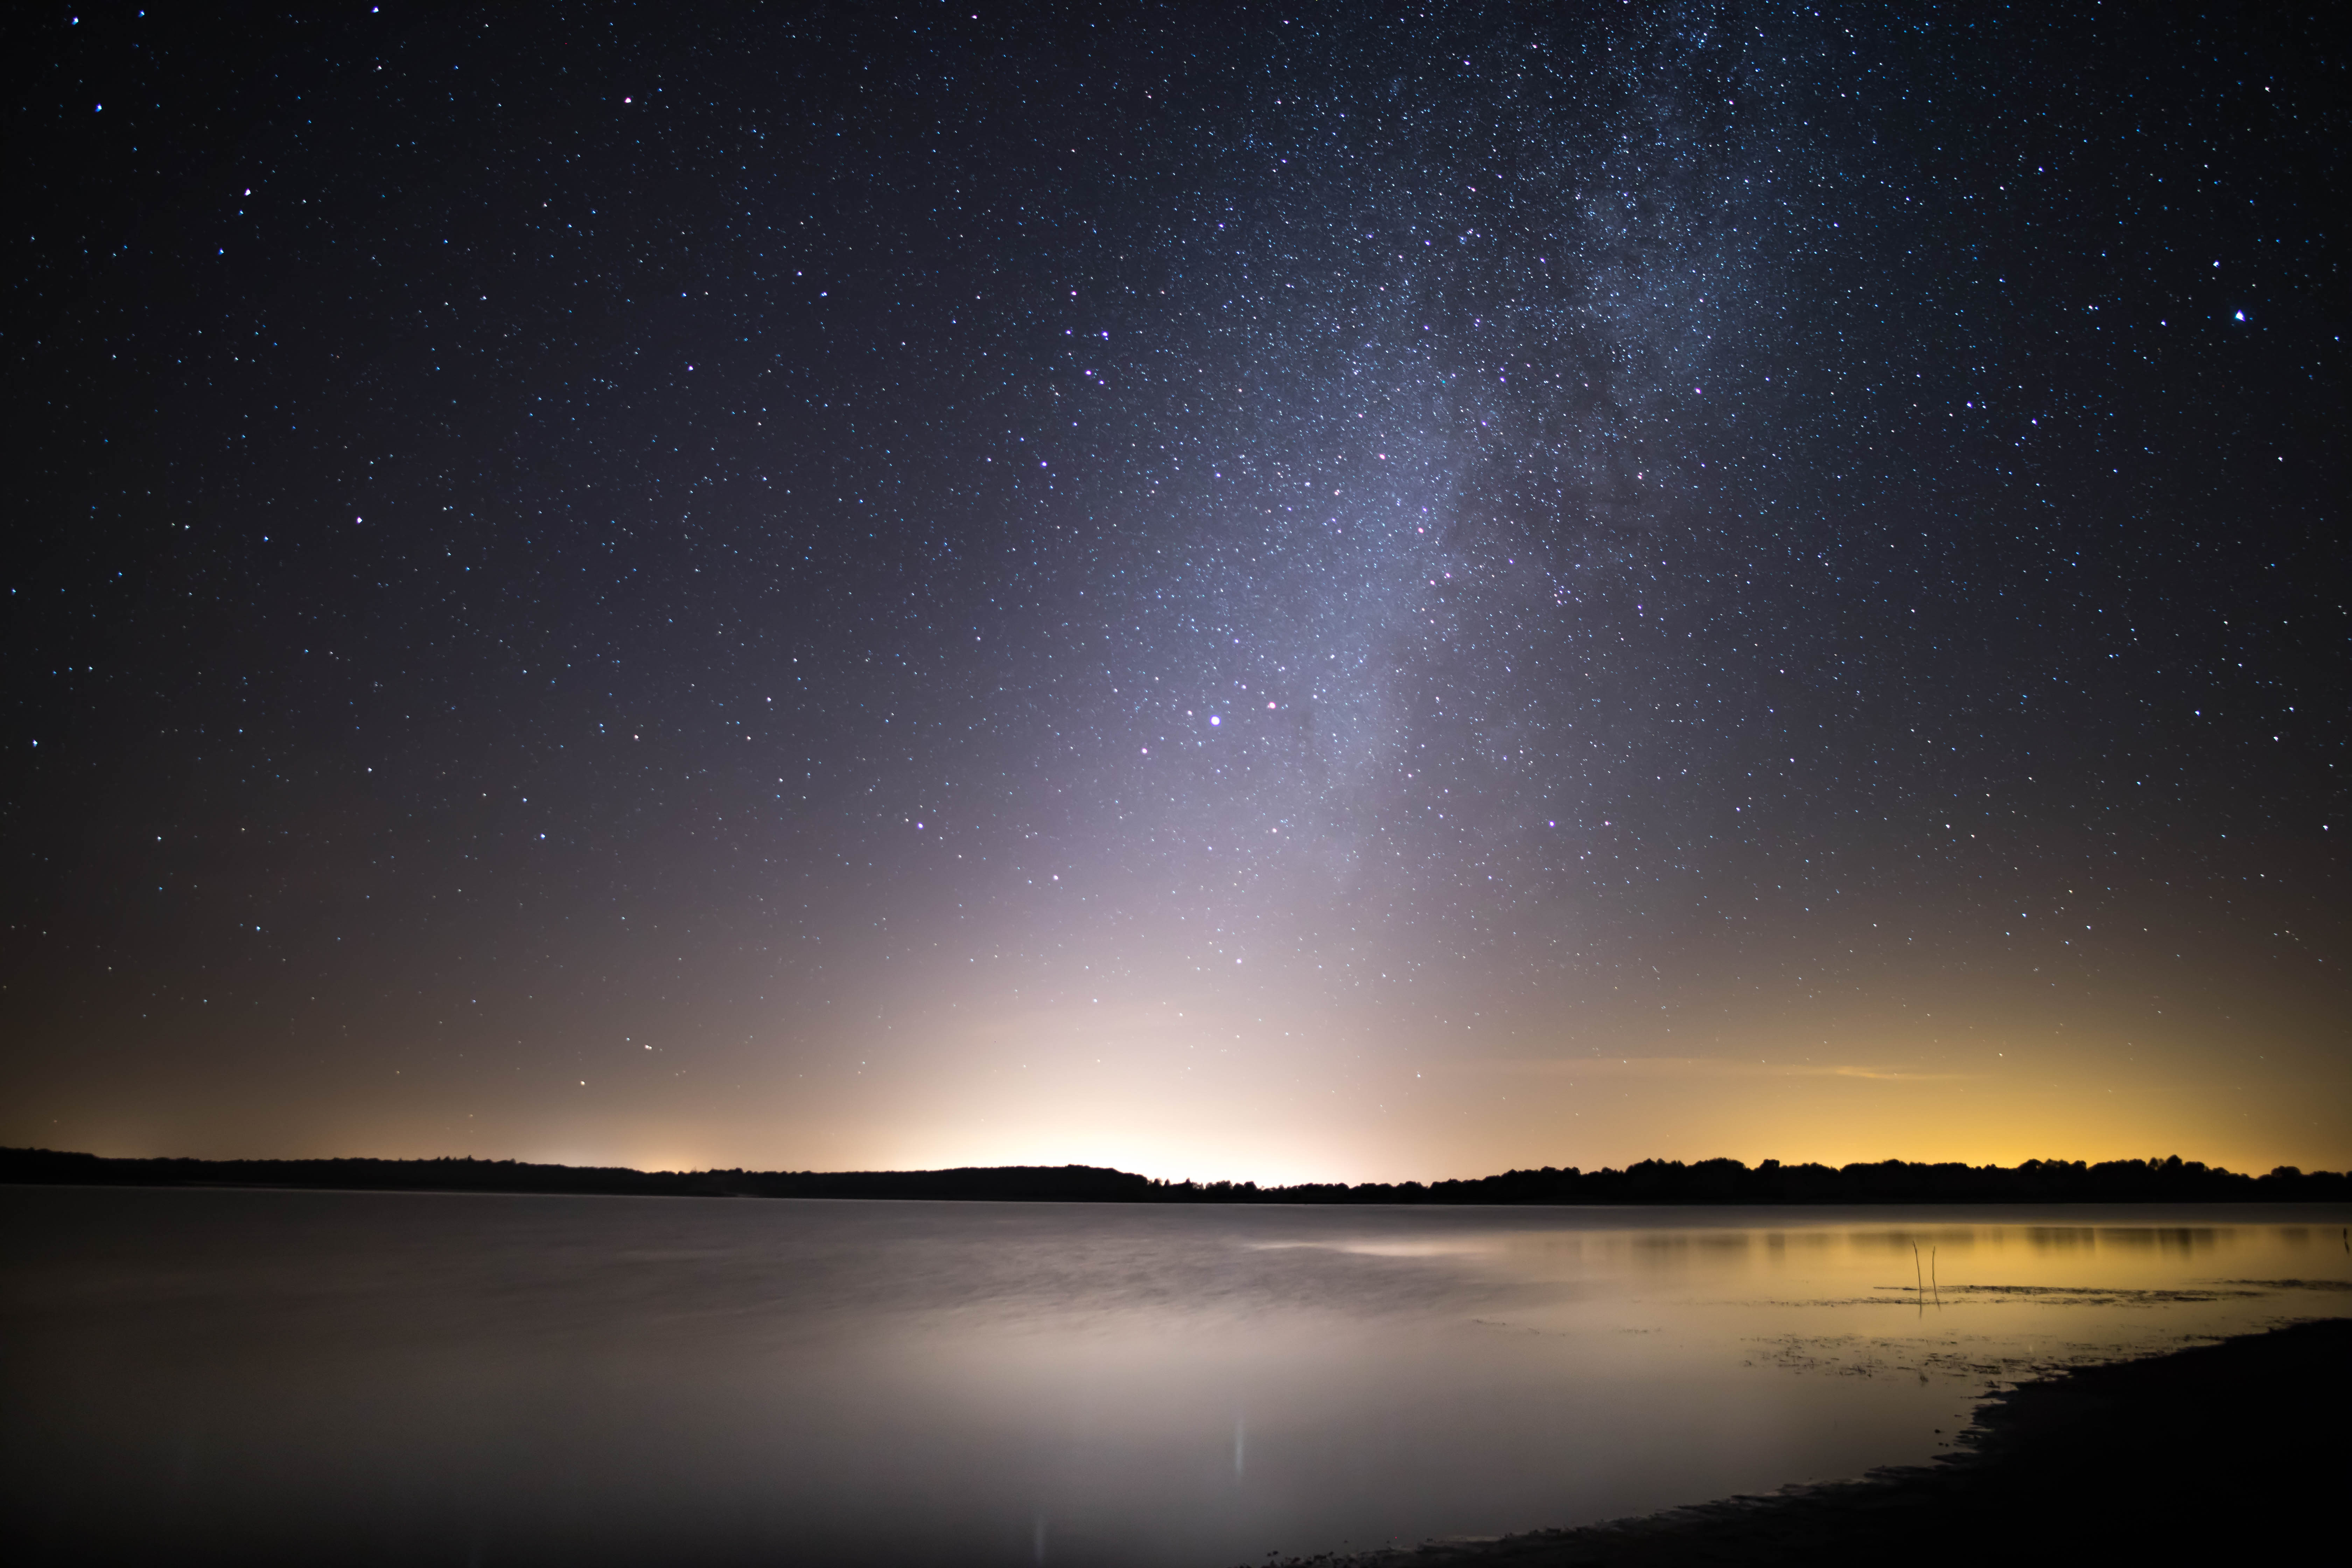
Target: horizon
(2159, 1162)
(1330, 597)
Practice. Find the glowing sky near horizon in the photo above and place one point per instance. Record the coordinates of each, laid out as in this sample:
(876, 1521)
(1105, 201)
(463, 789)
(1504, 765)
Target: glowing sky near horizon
(1327, 596)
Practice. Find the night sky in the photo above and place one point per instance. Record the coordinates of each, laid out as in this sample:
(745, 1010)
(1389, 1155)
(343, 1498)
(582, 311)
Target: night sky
(1347, 594)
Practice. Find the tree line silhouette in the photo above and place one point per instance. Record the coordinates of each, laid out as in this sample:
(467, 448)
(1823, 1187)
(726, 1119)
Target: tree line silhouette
(2167, 1180)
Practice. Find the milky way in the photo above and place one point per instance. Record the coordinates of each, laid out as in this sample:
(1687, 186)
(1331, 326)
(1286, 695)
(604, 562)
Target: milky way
(1343, 595)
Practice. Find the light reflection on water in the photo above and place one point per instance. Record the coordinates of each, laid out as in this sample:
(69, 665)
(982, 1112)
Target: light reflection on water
(477, 1379)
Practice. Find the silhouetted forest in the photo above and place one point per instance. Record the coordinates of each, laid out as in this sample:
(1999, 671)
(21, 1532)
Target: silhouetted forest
(2171, 1179)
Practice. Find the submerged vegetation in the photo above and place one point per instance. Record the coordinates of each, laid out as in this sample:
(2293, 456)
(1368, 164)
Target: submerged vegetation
(2217, 1453)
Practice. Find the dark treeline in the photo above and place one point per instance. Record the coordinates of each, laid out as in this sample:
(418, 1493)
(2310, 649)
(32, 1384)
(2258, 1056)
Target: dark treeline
(2172, 1179)
(2169, 1179)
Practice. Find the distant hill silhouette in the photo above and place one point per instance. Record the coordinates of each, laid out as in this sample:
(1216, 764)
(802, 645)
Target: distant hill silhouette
(2169, 1179)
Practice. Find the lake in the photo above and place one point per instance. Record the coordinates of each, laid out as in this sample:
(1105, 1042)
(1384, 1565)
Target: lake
(264, 1376)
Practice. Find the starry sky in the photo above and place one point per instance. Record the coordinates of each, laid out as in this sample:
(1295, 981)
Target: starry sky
(1271, 592)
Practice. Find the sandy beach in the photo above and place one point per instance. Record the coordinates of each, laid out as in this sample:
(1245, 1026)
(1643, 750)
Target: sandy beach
(2231, 1451)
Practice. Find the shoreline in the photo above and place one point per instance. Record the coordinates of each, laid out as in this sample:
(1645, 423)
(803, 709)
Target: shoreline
(2214, 1451)
(1648, 1182)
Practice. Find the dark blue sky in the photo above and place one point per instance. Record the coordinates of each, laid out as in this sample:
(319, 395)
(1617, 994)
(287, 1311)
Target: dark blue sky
(1228, 591)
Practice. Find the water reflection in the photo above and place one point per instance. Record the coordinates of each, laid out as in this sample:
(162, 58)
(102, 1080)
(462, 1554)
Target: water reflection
(308, 1376)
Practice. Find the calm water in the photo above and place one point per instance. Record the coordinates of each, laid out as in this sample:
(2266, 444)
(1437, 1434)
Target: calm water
(500, 1379)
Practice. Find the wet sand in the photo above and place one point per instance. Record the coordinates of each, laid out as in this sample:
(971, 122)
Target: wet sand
(2233, 1451)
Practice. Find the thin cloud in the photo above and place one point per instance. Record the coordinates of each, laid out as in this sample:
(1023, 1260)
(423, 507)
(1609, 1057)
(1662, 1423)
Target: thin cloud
(1701, 1066)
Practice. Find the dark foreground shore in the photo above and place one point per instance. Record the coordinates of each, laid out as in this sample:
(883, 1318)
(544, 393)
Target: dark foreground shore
(2238, 1451)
